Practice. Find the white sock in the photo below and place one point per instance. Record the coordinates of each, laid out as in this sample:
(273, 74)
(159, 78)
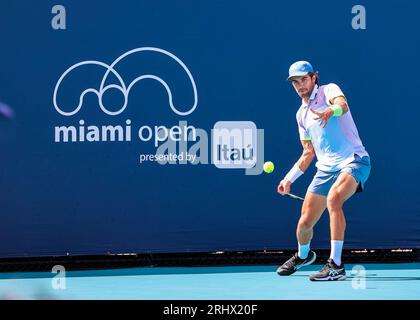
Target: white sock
(304, 250)
(336, 249)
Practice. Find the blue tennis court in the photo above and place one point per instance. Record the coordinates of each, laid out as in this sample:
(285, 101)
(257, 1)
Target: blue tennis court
(379, 281)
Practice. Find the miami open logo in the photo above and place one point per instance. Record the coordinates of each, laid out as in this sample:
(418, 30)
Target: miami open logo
(233, 143)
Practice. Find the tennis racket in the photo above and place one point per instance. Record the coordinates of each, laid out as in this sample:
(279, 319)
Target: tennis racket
(290, 195)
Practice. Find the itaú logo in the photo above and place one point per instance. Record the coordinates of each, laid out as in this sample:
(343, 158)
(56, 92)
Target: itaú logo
(121, 86)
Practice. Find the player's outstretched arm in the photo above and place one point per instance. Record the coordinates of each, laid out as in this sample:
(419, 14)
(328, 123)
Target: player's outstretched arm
(338, 108)
(341, 100)
(308, 155)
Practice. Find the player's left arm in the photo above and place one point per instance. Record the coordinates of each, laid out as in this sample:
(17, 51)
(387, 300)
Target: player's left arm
(341, 101)
(338, 107)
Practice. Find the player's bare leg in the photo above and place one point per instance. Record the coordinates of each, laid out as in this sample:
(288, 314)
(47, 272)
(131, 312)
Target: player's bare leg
(340, 192)
(312, 209)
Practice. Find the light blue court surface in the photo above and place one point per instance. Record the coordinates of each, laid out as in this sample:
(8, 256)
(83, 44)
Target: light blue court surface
(375, 281)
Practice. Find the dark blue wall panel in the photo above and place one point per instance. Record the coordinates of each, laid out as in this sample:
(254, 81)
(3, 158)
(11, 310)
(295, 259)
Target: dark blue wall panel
(95, 197)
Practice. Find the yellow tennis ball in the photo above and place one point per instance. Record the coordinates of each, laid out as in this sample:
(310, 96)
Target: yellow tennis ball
(268, 167)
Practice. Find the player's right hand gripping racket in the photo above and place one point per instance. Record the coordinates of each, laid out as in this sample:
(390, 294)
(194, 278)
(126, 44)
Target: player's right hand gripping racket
(280, 189)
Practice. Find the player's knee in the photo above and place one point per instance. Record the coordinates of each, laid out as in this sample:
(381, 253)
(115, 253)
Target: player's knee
(305, 224)
(334, 201)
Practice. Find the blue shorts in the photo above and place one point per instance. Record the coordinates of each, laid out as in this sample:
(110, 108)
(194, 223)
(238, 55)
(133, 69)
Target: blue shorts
(359, 169)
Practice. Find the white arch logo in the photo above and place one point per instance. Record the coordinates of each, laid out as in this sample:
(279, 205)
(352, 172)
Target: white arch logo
(121, 86)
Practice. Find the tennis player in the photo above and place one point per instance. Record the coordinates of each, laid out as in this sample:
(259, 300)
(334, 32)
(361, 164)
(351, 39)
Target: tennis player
(327, 131)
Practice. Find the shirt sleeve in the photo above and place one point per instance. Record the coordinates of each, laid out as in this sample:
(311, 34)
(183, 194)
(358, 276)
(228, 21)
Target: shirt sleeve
(332, 91)
(303, 133)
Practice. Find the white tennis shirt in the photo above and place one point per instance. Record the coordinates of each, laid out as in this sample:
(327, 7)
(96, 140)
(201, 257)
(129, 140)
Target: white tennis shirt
(337, 143)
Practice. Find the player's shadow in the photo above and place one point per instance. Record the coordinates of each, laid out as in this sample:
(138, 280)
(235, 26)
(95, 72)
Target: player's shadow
(372, 277)
(386, 278)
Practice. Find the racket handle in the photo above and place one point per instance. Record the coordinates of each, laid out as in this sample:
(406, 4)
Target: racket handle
(295, 197)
